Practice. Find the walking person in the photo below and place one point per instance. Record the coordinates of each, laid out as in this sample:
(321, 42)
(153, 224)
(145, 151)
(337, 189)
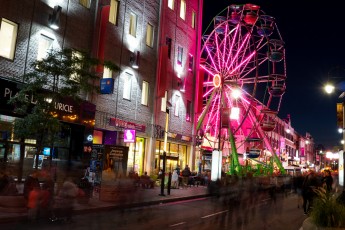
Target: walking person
(186, 174)
(310, 183)
(174, 180)
(33, 204)
(328, 181)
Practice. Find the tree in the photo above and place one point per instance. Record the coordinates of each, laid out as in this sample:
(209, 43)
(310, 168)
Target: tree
(63, 73)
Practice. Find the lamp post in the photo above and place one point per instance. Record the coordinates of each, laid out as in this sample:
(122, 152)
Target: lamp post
(330, 88)
(165, 146)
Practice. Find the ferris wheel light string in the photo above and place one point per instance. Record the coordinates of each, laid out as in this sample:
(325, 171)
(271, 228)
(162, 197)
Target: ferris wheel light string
(232, 44)
(246, 38)
(218, 53)
(213, 106)
(212, 60)
(242, 63)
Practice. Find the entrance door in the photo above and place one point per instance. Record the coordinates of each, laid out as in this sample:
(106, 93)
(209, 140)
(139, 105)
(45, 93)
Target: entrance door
(171, 163)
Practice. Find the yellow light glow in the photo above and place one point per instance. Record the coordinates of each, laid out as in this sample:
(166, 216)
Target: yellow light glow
(329, 88)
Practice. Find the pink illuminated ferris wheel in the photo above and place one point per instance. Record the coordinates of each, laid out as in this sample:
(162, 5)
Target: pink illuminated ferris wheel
(243, 70)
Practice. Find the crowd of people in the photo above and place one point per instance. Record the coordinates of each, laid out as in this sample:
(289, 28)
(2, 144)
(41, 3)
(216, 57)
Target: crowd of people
(305, 185)
(47, 200)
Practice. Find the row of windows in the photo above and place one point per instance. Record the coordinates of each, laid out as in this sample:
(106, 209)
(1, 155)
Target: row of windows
(133, 18)
(183, 9)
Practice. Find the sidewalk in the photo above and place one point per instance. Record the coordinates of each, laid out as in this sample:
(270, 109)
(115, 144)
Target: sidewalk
(141, 197)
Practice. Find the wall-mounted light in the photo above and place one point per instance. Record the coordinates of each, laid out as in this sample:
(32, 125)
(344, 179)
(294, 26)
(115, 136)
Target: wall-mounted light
(134, 59)
(54, 18)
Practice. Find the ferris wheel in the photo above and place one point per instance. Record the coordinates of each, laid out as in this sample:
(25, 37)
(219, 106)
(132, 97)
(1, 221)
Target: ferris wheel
(243, 73)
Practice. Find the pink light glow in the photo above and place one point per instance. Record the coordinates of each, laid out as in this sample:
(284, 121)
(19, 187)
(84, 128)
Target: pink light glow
(242, 63)
(238, 51)
(207, 70)
(232, 44)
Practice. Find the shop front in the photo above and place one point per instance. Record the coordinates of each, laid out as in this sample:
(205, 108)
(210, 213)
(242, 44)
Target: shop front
(62, 156)
(176, 152)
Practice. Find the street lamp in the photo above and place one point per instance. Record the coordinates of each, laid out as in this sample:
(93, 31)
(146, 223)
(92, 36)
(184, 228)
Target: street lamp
(167, 110)
(330, 88)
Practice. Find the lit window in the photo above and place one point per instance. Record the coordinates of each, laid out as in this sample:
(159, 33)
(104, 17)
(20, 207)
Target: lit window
(133, 25)
(189, 111)
(8, 37)
(183, 9)
(107, 73)
(164, 102)
(127, 85)
(171, 4)
(77, 56)
(114, 10)
(177, 106)
(145, 93)
(193, 19)
(85, 3)
(190, 62)
(179, 55)
(149, 35)
(44, 46)
(168, 42)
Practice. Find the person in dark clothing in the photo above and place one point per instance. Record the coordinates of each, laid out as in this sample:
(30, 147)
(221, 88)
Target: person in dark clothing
(30, 183)
(328, 181)
(298, 186)
(186, 174)
(310, 182)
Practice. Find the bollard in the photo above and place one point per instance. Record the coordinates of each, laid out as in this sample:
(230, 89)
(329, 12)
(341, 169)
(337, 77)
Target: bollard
(169, 183)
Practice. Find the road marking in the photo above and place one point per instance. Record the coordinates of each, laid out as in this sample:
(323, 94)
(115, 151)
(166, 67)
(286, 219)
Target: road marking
(217, 213)
(174, 225)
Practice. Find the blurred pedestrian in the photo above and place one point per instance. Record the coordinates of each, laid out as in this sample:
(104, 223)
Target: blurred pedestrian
(33, 204)
(308, 194)
(174, 180)
(298, 185)
(30, 183)
(64, 203)
(328, 181)
(186, 174)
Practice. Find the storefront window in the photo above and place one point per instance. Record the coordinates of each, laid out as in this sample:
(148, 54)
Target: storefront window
(176, 155)
(136, 155)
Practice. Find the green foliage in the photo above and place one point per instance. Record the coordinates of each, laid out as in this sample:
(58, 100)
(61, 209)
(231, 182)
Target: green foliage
(61, 74)
(326, 211)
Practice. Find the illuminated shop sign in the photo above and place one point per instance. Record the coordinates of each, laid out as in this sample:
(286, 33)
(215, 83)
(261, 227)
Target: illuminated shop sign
(126, 125)
(129, 136)
(66, 109)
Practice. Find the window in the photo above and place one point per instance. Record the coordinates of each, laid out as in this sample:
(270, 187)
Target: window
(189, 111)
(183, 9)
(8, 37)
(179, 55)
(171, 4)
(107, 73)
(133, 25)
(127, 86)
(168, 42)
(164, 102)
(85, 3)
(114, 11)
(190, 62)
(145, 93)
(193, 19)
(177, 106)
(149, 35)
(77, 56)
(44, 45)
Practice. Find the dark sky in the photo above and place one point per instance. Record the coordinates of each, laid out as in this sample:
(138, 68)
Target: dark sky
(314, 36)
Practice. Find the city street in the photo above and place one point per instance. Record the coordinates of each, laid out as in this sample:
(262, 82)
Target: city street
(256, 211)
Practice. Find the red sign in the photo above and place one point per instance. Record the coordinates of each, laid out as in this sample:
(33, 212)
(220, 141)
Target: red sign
(127, 125)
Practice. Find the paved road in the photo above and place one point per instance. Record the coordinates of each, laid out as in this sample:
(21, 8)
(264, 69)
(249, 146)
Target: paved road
(249, 212)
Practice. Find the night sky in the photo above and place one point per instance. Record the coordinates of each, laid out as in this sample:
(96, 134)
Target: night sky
(314, 36)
